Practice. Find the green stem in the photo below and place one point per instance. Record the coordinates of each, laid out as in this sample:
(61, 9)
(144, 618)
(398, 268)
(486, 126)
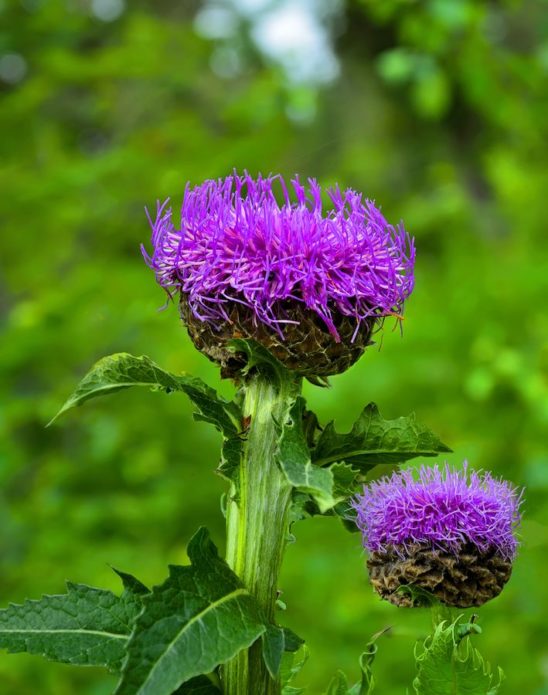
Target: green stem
(257, 520)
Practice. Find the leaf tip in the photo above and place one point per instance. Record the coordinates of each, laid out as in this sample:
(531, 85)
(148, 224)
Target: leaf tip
(57, 415)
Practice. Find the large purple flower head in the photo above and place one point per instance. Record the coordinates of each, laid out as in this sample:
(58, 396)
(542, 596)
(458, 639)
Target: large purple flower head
(451, 532)
(250, 258)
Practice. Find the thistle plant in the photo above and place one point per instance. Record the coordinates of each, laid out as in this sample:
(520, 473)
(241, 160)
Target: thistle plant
(276, 283)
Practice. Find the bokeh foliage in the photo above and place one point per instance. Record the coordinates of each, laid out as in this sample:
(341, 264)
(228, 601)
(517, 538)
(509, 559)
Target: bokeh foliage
(440, 114)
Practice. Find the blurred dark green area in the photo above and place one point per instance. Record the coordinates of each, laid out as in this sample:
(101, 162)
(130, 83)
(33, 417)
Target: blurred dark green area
(439, 113)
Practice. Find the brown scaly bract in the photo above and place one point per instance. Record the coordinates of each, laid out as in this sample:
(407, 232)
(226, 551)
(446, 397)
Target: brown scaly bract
(468, 578)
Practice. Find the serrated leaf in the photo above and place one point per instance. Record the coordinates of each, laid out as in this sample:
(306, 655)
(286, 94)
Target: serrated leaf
(374, 440)
(85, 626)
(131, 583)
(294, 460)
(122, 371)
(292, 641)
(302, 507)
(345, 480)
(348, 516)
(451, 665)
(367, 684)
(338, 685)
(292, 664)
(200, 617)
(345, 483)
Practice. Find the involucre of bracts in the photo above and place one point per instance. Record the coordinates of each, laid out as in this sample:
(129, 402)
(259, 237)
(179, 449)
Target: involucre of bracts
(463, 579)
(249, 259)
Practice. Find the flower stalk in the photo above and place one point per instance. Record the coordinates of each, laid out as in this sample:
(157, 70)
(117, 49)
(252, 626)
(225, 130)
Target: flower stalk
(257, 518)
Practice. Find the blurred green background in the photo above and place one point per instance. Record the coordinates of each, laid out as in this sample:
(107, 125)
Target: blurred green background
(438, 110)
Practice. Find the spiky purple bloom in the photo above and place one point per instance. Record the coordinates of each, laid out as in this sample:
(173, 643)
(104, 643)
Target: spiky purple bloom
(235, 243)
(440, 508)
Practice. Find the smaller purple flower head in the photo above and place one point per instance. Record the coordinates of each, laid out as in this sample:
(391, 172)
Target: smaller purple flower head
(447, 531)
(252, 258)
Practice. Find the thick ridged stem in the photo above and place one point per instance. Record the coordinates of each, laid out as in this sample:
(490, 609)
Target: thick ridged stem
(257, 521)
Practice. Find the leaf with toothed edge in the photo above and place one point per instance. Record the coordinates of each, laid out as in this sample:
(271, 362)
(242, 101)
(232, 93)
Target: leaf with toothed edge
(294, 460)
(449, 663)
(200, 617)
(292, 664)
(366, 685)
(122, 371)
(131, 583)
(292, 641)
(84, 627)
(346, 482)
(374, 440)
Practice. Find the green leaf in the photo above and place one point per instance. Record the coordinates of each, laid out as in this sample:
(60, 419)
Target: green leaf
(345, 484)
(122, 371)
(258, 357)
(292, 663)
(276, 641)
(292, 641)
(338, 685)
(302, 507)
(131, 583)
(84, 627)
(450, 665)
(294, 459)
(273, 640)
(201, 685)
(373, 440)
(345, 480)
(367, 684)
(200, 617)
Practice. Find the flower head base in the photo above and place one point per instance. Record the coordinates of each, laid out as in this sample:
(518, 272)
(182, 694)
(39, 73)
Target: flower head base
(449, 532)
(246, 265)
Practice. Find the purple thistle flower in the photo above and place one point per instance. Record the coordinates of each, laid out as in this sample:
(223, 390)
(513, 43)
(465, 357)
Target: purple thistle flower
(442, 509)
(449, 533)
(236, 244)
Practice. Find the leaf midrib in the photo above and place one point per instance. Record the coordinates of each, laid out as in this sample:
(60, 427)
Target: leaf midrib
(357, 452)
(62, 631)
(186, 626)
